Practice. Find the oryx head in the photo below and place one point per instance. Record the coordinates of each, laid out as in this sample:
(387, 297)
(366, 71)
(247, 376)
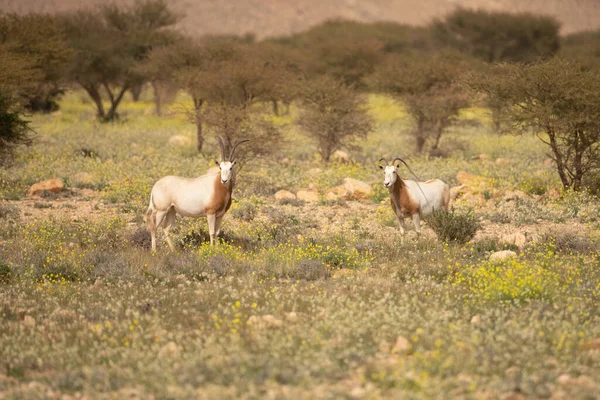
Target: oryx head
(226, 166)
(390, 171)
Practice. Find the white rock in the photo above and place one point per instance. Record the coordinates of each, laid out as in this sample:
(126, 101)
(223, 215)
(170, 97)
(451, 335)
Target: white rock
(502, 162)
(179, 140)
(291, 316)
(169, 350)
(516, 238)
(356, 189)
(502, 255)
(401, 346)
(284, 194)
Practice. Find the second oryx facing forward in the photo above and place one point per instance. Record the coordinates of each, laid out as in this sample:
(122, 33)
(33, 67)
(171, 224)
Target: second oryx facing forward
(208, 195)
(414, 199)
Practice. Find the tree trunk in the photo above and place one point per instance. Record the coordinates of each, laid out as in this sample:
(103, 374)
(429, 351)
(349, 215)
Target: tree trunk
(93, 92)
(199, 134)
(560, 165)
(438, 136)
(114, 101)
(275, 107)
(136, 92)
(157, 98)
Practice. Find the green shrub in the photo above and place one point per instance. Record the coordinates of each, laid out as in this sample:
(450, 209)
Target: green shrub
(452, 227)
(4, 272)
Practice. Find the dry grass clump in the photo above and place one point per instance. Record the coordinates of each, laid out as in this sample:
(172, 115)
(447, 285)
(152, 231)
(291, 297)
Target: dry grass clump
(309, 270)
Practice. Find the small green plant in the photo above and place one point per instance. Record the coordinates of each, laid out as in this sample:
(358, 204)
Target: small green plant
(452, 227)
(4, 272)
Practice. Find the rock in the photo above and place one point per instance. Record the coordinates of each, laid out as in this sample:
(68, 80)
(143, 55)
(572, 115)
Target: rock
(515, 195)
(516, 238)
(356, 189)
(169, 350)
(502, 162)
(291, 316)
(179, 140)
(476, 320)
(265, 321)
(502, 255)
(331, 196)
(54, 185)
(284, 194)
(29, 321)
(402, 345)
(307, 195)
(82, 178)
(341, 156)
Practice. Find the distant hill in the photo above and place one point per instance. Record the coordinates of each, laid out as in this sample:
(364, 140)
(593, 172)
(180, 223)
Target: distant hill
(266, 18)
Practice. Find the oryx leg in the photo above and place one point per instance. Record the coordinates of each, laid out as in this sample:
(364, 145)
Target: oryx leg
(218, 221)
(417, 223)
(401, 225)
(167, 222)
(160, 215)
(152, 228)
(212, 222)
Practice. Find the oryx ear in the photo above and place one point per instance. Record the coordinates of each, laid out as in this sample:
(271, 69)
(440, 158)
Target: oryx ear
(380, 166)
(233, 162)
(218, 164)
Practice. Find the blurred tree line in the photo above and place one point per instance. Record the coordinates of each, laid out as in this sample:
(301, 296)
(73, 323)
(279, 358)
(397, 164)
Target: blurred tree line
(235, 81)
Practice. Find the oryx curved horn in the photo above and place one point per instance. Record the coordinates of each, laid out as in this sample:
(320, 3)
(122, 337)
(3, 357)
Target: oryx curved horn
(222, 148)
(384, 160)
(404, 162)
(236, 144)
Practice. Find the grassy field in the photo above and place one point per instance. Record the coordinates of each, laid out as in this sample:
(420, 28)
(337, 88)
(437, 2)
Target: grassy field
(301, 300)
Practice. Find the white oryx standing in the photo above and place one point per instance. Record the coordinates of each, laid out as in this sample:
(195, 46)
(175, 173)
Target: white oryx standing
(411, 198)
(208, 195)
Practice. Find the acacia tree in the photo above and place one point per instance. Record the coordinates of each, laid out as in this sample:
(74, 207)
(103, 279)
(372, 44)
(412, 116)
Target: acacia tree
(350, 50)
(498, 36)
(558, 101)
(333, 114)
(38, 38)
(19, 78)
(223, 73)
(109, 44)
(430, 88)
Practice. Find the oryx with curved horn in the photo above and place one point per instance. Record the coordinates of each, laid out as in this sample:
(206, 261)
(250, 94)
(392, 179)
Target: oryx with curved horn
(412, 198)
(208, 195)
